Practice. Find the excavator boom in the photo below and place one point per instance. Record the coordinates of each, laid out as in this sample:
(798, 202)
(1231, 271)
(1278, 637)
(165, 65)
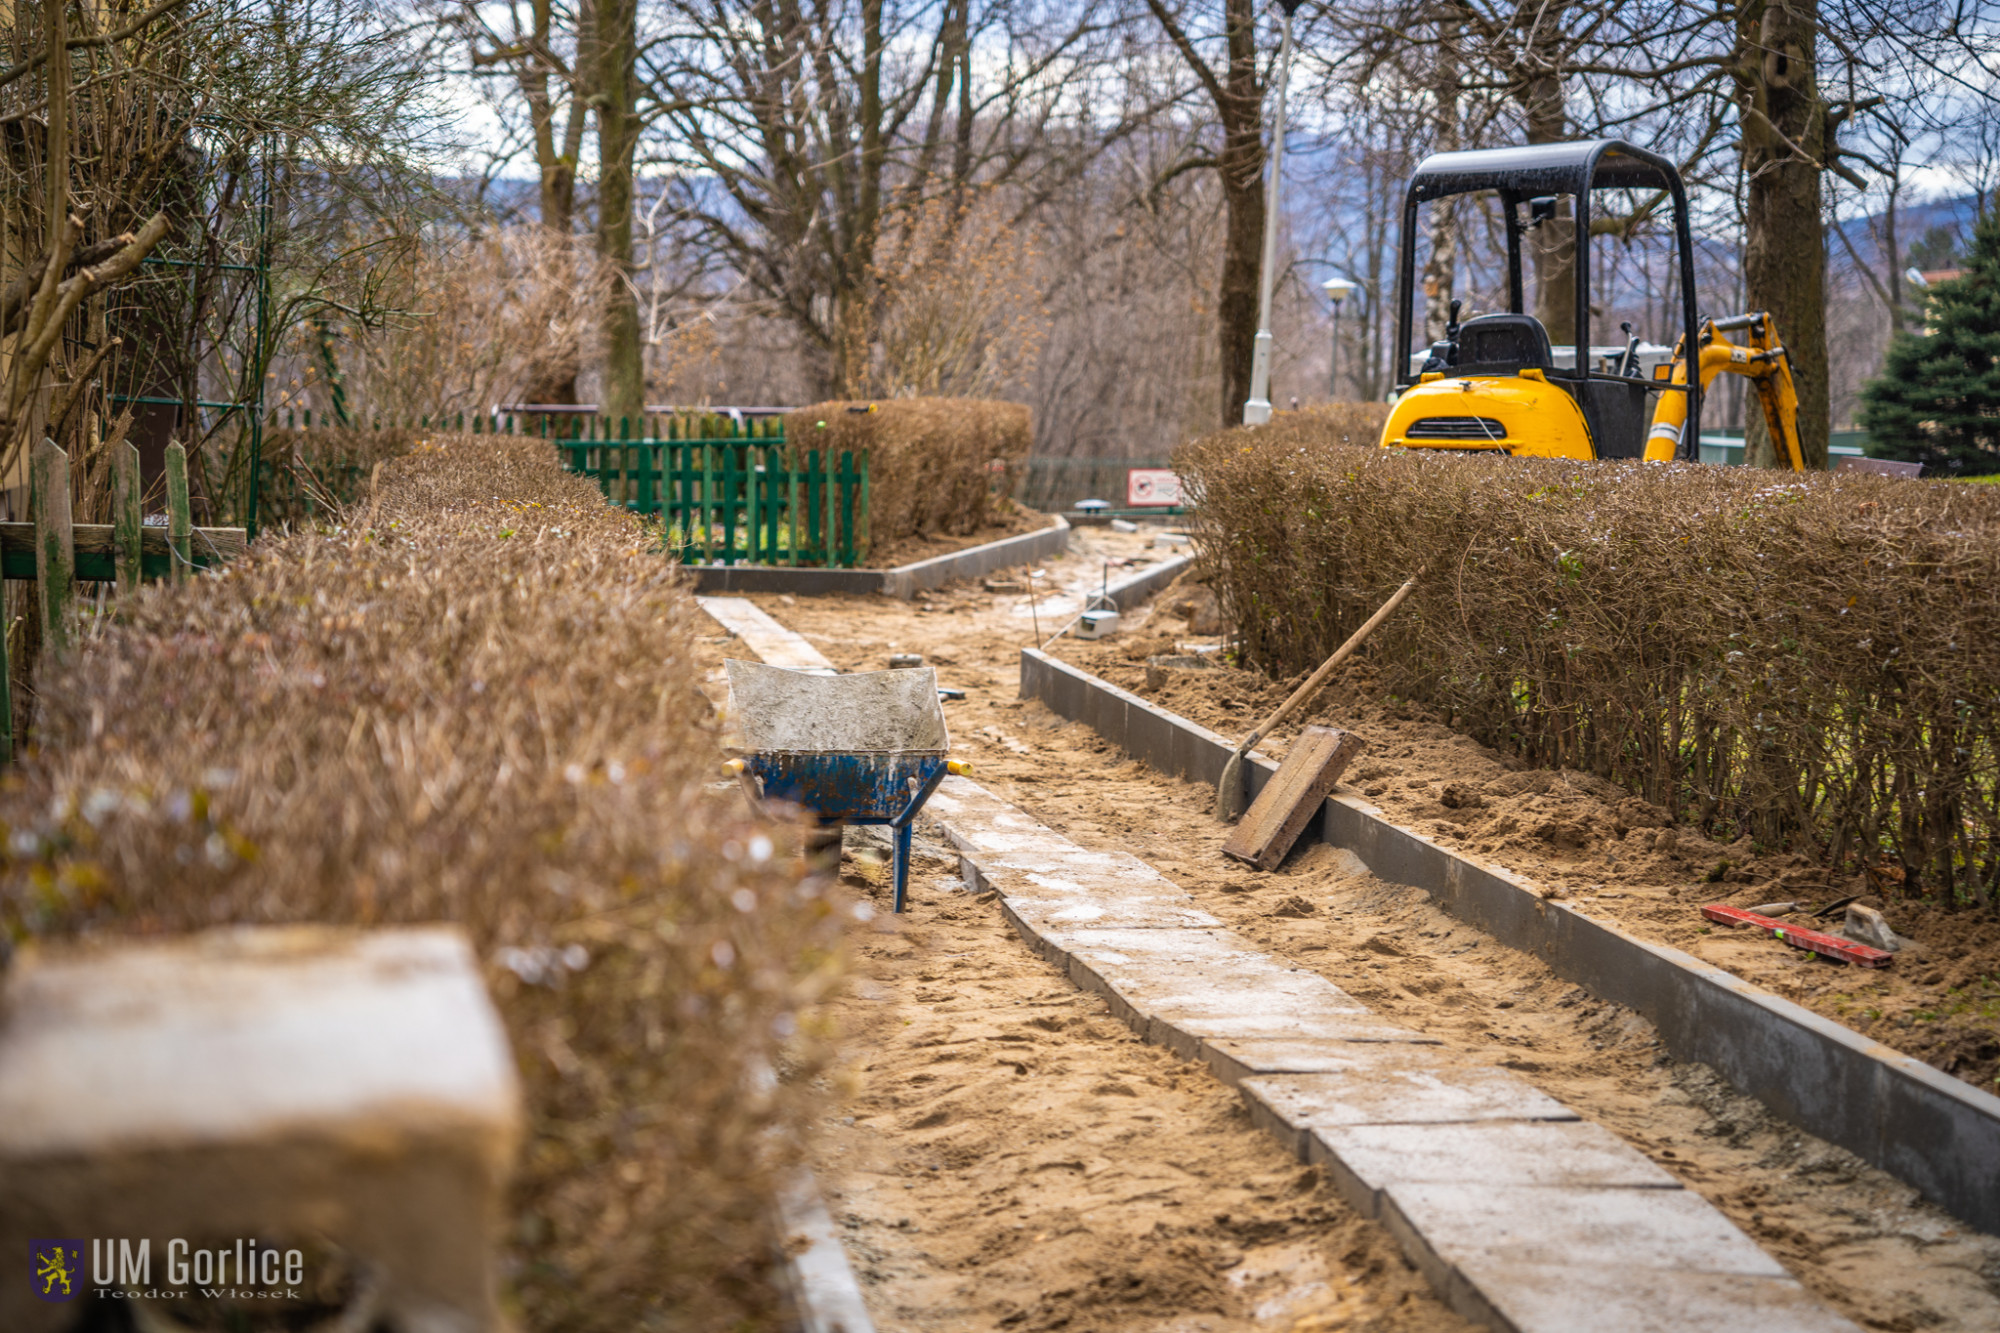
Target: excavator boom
(1761, 357)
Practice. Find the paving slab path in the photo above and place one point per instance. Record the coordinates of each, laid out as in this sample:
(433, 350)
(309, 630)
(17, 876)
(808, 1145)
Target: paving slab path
(1523, 1216)
(1857, 1238)
(773, 644)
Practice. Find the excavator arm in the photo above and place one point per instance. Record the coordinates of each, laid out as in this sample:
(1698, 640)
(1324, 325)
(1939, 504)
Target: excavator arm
(1760, 356)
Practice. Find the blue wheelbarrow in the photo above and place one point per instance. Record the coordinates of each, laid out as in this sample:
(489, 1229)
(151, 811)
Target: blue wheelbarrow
(867, 748)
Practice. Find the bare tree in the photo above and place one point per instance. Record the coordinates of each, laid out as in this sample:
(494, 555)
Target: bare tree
(800, 135)
(1232, 88)
(545, 52)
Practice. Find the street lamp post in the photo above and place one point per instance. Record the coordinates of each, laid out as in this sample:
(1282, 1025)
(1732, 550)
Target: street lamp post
(1257, 410)
(1337, 289)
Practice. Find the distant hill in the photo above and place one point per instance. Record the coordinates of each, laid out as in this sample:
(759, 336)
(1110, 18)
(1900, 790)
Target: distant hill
(1928, 234)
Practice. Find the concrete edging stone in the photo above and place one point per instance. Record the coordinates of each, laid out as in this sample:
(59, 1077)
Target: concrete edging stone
(904, 581)
(1932, 1131)
(1138, 588)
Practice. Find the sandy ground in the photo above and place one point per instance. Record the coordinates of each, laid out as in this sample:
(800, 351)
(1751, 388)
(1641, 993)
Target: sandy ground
(1585, 840)
(1010, 1157)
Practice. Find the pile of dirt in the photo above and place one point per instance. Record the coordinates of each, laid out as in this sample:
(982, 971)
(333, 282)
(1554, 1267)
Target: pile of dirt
(1588, 841)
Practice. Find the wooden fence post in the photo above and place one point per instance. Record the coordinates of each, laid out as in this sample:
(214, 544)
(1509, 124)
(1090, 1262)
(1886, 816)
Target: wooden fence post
(867, 531)
(55, 543)
(6, 691)
(180, 523)
(126, 517)
(793, 463)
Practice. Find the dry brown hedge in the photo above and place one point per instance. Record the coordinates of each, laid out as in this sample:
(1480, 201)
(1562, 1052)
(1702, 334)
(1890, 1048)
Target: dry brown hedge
(930, 459)
(477, 703)
(1814, 661)
(310, 472)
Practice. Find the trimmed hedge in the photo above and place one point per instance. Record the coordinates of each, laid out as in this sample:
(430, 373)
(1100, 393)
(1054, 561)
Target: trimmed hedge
(315, 471)
(1814, 661)
(931, 460)
(475, 701)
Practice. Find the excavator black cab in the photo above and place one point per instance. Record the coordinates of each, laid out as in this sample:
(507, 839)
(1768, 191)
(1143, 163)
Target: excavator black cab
(1495, 383)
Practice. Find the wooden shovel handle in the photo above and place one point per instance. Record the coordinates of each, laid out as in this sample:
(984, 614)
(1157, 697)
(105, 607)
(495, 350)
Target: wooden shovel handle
(1340, 654)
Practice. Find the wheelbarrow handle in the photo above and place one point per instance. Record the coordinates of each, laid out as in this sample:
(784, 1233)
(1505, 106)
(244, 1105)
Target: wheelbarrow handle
(753, 787)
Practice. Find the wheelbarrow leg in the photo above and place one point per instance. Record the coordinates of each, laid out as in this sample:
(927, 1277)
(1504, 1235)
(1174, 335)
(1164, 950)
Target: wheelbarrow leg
(902, 866)
(822, 848)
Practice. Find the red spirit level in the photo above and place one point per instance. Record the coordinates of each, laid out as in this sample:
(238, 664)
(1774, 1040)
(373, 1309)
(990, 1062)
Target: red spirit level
(1831, 946)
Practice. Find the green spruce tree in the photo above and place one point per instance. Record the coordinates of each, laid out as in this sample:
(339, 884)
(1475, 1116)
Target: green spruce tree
(1938, 399)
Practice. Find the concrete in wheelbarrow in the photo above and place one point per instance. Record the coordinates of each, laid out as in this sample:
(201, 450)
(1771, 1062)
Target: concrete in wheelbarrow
(1522, 1216)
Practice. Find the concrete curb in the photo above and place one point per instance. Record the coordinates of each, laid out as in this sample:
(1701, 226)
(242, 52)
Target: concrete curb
(904, 581)
(1932, 1131)
(1513, 1208)
(824, 1288)
(1130, 592)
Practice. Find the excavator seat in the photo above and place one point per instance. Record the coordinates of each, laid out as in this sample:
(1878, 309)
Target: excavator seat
(1505, 343)
(1616, 409)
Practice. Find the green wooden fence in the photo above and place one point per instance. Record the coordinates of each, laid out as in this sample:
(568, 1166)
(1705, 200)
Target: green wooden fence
(728, 489)
(736, 496)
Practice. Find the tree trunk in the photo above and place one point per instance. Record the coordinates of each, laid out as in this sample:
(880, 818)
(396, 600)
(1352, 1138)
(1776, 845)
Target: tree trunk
(1236, 296)
(616, 43)
(1553, 244)
(1241, 163)
(1784, 249)
(854, 264)
(555, 156)
(1440, 273)
(556, 153)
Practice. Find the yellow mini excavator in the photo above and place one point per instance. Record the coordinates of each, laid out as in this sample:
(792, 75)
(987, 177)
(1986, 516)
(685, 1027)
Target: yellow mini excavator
(1495, 384)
